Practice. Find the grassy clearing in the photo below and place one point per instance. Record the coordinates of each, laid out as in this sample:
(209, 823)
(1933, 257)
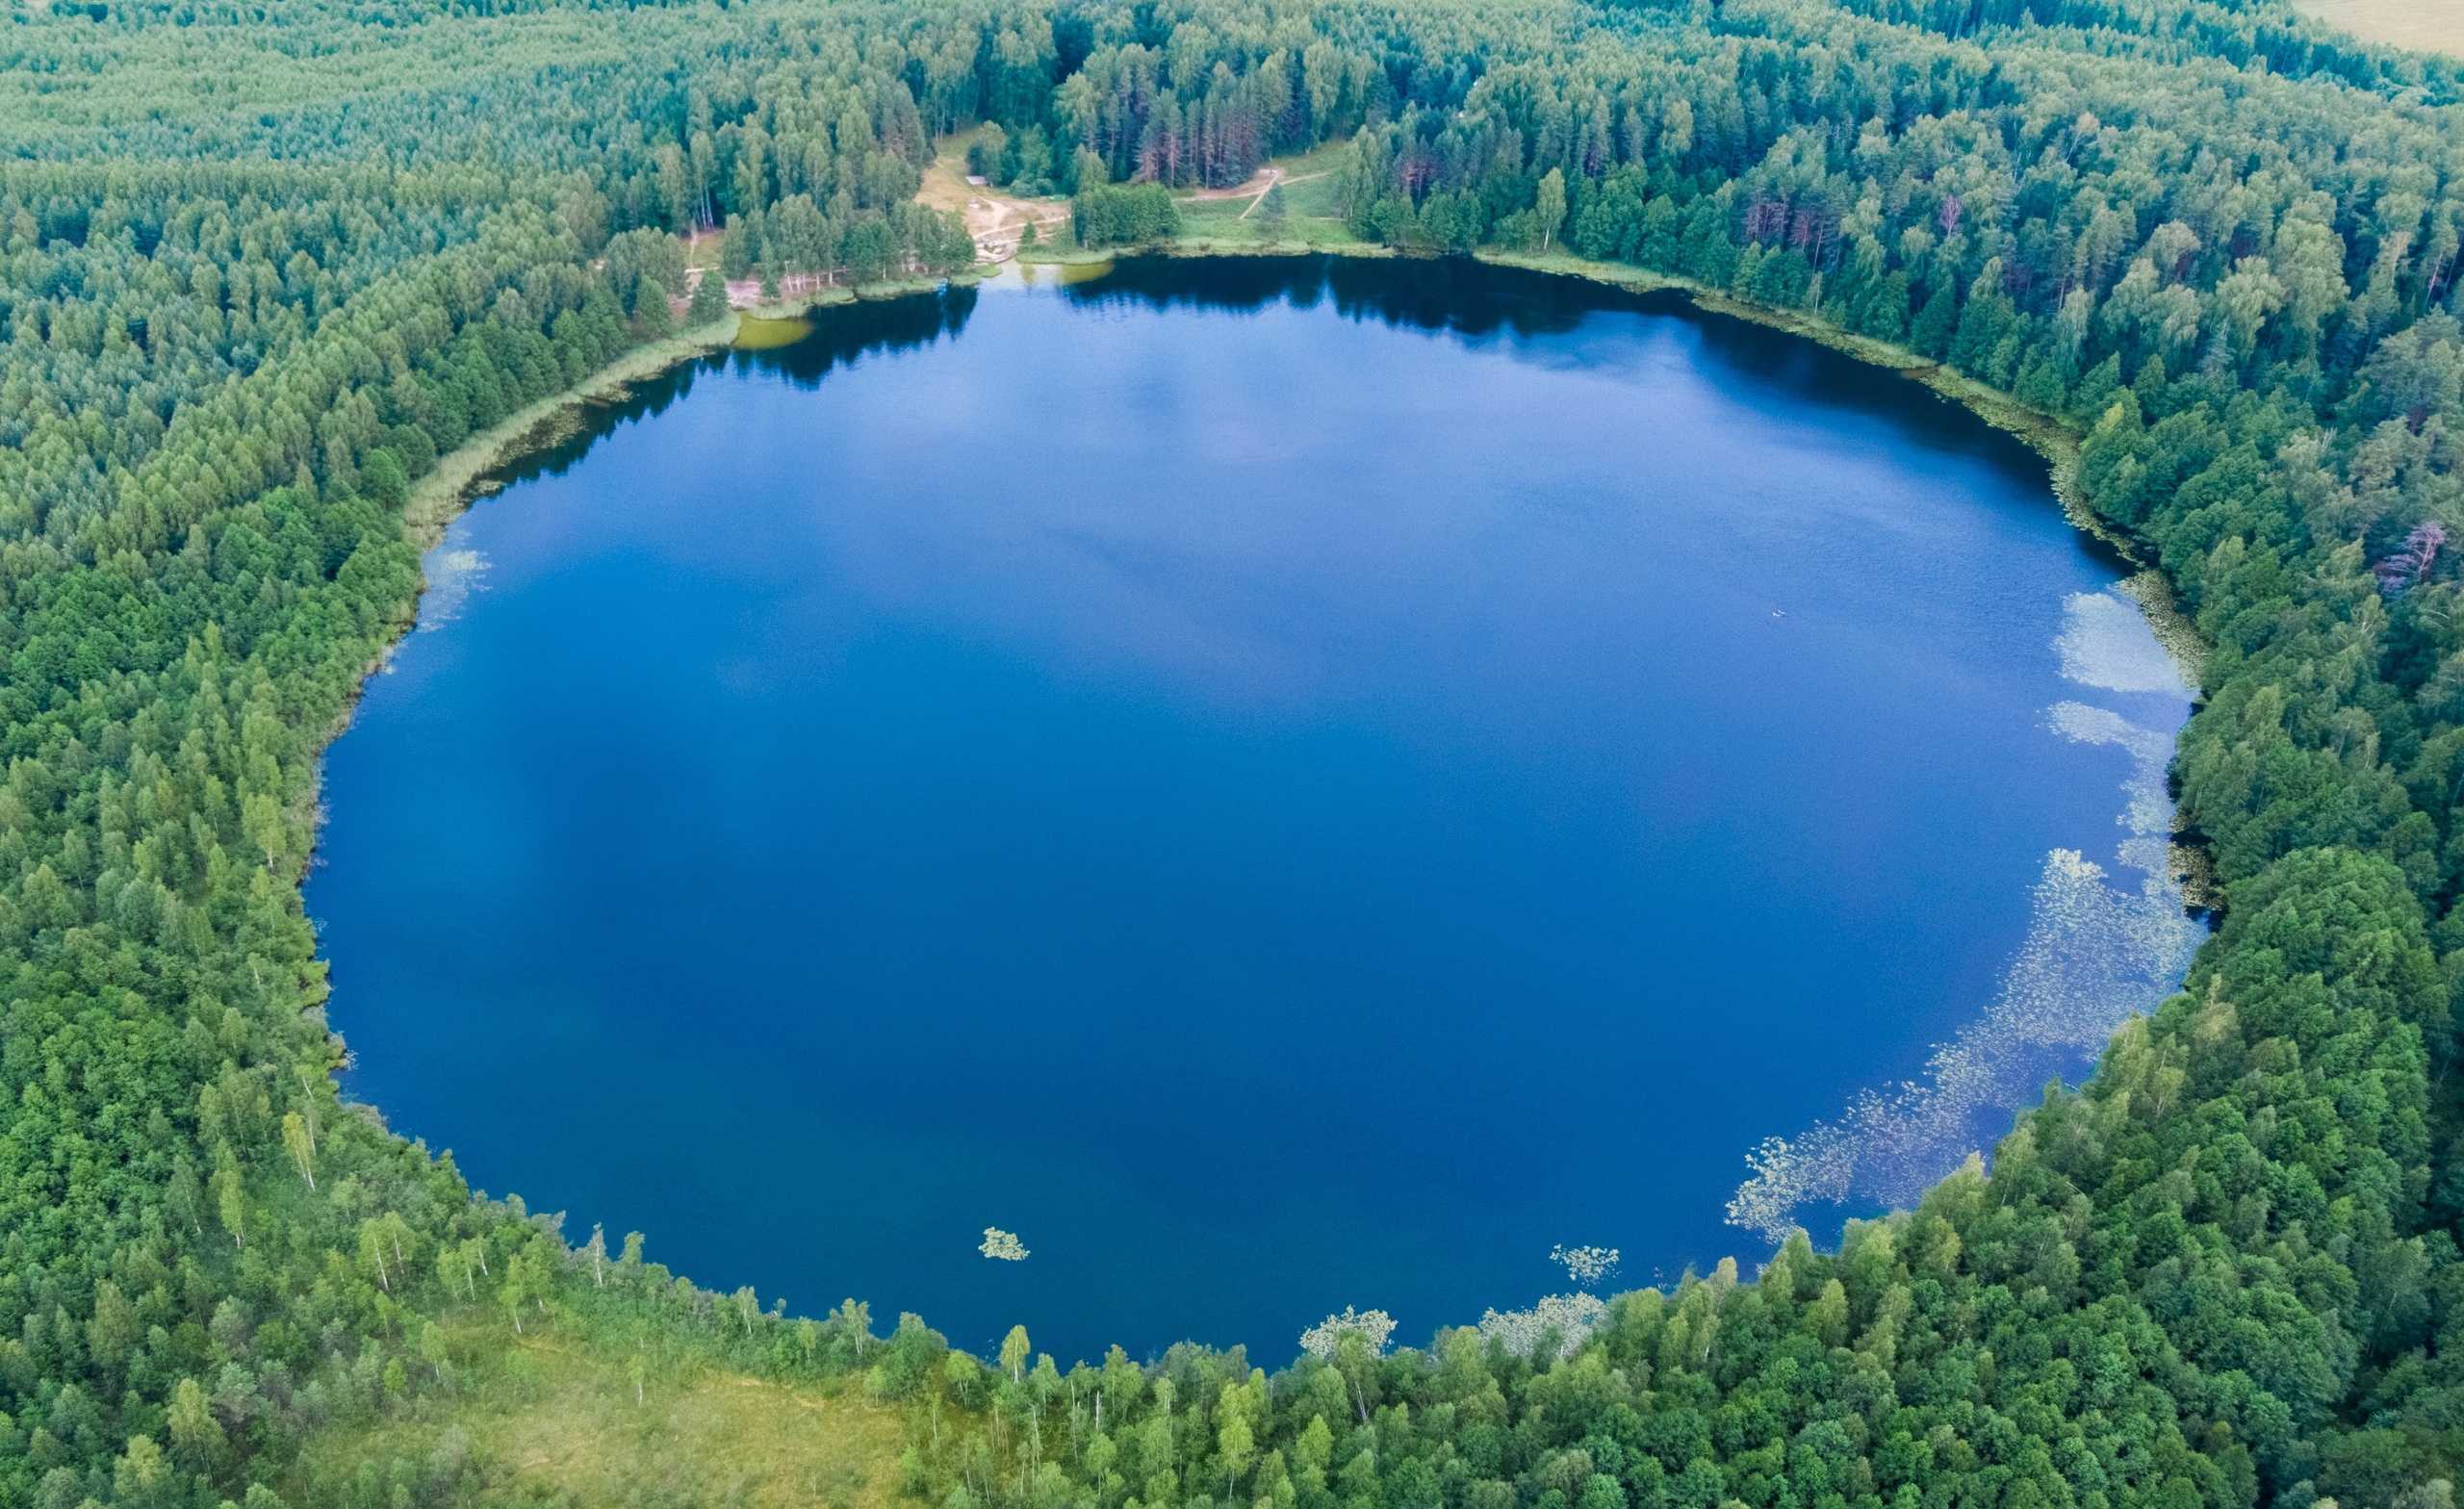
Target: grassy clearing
(1217, 225)
(1312, 189)
(557, 1421)
(1312, 185)
(2426, 25)
(1324, 157)
(1203, 212)
(1215, 236)
(995, 218)
(754, 334)
(945, 186)
(1318, 197)
(1255, 235)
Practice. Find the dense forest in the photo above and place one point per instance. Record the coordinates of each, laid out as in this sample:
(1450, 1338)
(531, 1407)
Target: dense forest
(261, 268)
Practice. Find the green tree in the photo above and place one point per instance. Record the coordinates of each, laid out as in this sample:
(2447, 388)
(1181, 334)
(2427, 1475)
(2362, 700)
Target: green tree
(709, 303)
(652, 315)
(301, 1147)
(197, 1442)
(856, 1322)
(1931, 335)
(230, 1203)
(1549, 207)
(986, 153)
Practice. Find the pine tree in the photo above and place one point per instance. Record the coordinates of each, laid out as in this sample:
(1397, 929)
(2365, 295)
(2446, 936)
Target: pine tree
(709, 300)
(1931, 335)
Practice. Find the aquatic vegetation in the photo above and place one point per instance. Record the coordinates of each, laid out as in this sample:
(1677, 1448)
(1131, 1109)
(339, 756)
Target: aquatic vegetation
(2104, 644)
(1561, 1323)
(1586, 1266)
(2096, 952)
(1372, 1326)
(453, 575)
(755, 334)
(1002, 1244)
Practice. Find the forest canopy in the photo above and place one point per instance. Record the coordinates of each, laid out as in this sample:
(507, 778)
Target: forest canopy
(261, 266)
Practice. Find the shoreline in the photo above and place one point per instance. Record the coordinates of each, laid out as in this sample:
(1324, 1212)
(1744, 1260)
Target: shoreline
(2050, 435)
(461, 474)
(464, 475)
(2053, 438)
(461, 477)
(468, 472)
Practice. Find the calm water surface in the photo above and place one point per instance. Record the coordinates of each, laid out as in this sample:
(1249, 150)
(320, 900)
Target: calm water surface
(1285, 785)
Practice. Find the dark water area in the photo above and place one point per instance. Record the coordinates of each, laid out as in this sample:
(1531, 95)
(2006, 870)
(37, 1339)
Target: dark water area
(1285, 784)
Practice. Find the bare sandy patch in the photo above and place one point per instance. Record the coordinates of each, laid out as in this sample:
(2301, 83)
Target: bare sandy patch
(996, 220)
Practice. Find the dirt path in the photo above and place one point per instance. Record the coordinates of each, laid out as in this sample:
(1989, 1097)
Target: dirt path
(999, 224)
(1275, 176)
(996, 220)
(1257, 185)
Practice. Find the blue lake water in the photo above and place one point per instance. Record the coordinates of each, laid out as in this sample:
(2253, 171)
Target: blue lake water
(1284, 784)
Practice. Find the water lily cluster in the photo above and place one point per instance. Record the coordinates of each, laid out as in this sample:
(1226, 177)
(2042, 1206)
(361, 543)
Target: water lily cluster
(1586, 1266)
(2096, 952)
(1558, 1325)
(1372, 1326)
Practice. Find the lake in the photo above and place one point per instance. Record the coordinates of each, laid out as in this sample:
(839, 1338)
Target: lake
(1283, 784)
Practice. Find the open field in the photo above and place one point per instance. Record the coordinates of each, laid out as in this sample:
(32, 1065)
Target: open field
(1233, 220)
(558, 1421)
(1312, 184)
(2427, 25)
(996, 219)
(1220, 224)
